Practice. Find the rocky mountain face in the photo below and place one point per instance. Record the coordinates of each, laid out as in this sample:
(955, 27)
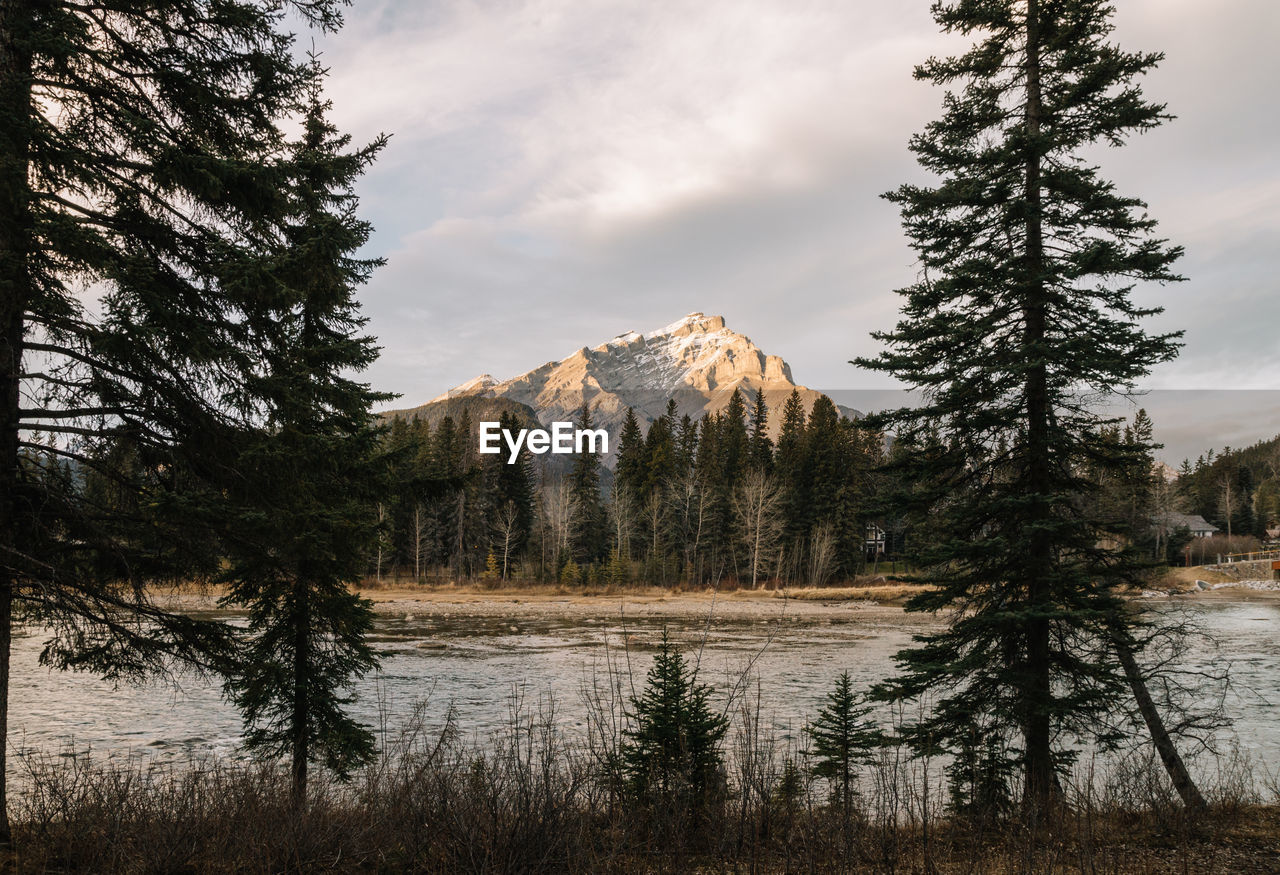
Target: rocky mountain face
(697, 360)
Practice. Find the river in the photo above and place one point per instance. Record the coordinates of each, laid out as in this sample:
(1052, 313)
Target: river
(477, 656)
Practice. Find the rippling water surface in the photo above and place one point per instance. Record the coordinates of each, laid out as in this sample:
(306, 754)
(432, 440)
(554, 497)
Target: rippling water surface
(479, 661)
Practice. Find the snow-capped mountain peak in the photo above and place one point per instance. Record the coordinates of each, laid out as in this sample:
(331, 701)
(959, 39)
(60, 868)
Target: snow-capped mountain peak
(697, 360)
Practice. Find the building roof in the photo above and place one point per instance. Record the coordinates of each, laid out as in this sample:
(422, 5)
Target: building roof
(1191, 521)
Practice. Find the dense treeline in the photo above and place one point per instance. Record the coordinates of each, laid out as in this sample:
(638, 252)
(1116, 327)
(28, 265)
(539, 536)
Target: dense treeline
(688, 501)
(1236, 490)
(716, 499)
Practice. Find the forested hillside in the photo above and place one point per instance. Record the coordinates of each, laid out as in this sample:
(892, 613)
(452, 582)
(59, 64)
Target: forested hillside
(689, 500)
(1238, 490)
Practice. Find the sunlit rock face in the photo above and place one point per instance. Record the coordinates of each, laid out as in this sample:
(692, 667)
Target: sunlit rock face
(697, 360)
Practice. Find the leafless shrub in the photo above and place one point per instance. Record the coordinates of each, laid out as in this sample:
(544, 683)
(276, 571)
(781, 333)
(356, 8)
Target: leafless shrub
(535, 797)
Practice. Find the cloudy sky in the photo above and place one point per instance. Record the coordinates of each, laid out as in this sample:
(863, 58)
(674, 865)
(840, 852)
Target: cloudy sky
(561, 171)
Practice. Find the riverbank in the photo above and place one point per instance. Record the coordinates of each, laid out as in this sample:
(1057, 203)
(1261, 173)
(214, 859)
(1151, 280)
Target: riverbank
(878, 599)
(528, 803)
(474, 674)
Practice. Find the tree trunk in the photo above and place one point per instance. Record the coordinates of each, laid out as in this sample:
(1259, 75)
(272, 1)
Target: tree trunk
(1037, 692)
(15, 291)
(301, 718)
(417, 543)
(382, 516)
(1173, 764)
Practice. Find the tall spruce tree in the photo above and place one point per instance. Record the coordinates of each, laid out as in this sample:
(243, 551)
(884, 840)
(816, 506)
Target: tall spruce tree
(760, 453)
(660, 452)
(1023, 315)
(671, 752)
(790, 462)
(511, 490)
(309, 476)
(630, 467)
(842, 739)
(591, 526)
(137, 160)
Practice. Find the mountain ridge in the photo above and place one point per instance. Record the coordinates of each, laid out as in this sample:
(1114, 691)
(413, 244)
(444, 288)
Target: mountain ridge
(697, 360)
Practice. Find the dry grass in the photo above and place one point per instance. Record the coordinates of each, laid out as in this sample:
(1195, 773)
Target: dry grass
(513, 811)
(889, 593)
(873, 589)
(532, 800)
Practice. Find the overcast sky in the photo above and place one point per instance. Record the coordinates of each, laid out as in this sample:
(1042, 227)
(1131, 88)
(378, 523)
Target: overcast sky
(561, 171)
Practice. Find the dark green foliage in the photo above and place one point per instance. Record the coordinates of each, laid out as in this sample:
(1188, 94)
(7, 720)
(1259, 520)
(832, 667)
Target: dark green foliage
(591, 535)
(630, 471)
(685, 440)
(661, 453)
(760, 455)
(837, 462)
(309, 475)
(791, 464)
(842, 739)
(980, 774)
(140, 158)
(1236, 490)
(672, 750)
(734, 442)
(670, 514)
(139, 151)
(510, 489)
(1021, 318)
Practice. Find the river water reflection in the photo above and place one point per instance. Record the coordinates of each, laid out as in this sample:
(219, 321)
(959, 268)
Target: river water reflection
(477, 661)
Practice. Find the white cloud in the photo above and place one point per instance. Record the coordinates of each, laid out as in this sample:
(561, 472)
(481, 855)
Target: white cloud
(562, 170)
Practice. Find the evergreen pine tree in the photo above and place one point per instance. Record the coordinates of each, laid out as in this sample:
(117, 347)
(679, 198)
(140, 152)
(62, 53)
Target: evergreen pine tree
(671, 753)
(469, 538)
(1021, 315)
(139, 148)
(712, 499)
(309, 476)
(686, 448)
(591, 526)
(829, 455)
(514, 485)
(980, 773)
(791, 465)
(760, 455)
(660, 452)
(842, 739)
(734, 441)
(629, 469)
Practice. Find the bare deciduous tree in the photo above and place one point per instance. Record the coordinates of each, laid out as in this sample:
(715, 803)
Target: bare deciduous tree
(505, 526)
(688, 504)
(419, 537)
(822, 554)
(1228, 502)
(757, 504)
(621, 508)
(559, 509)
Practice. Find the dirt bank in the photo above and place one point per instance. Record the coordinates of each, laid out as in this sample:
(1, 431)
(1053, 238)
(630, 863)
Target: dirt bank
(879, 599)
(1210, 584)
(826, 604)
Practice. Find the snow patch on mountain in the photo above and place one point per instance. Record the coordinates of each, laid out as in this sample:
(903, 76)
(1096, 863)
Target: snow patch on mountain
(697, 360)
